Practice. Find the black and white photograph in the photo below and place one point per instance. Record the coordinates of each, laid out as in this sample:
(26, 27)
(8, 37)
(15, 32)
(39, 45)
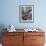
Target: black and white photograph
(26, 13)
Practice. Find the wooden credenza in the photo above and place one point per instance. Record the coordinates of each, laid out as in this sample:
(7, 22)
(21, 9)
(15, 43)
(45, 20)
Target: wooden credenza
(23, 39)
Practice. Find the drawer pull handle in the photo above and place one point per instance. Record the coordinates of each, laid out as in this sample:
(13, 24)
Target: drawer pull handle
(10, 38)
(33, 39)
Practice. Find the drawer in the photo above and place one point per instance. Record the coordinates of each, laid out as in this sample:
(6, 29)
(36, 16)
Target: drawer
(8, 45)
(34, 33)
(13, 33)
(27, 37)
(12, 38)
(34, 39)
(37, 44)
(37, 39)
(27, 41)
(13, 44)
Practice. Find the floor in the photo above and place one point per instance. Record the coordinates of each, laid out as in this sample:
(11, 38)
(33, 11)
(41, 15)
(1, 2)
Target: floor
(0, 44)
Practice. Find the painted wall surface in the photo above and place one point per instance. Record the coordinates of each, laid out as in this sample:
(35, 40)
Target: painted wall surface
(9, 13)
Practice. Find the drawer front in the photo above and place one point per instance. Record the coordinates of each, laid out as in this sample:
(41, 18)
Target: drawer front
(12, 39)
(37, 39)
(37, 45)
(27, 41)
(12, 44)
(8, 44)
(5, 39)
(13, 33)
(34, 33)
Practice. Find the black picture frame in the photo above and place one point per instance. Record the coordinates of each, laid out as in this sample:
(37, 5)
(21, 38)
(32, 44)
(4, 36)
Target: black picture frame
(26, 13)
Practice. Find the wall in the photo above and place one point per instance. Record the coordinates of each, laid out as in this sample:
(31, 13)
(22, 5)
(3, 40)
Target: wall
(9, 13)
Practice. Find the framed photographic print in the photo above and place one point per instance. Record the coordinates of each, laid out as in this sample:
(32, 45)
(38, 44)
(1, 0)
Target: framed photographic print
(26, 13)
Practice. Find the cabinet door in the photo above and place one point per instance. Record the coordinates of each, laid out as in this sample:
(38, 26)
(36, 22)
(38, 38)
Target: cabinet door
(27, 40)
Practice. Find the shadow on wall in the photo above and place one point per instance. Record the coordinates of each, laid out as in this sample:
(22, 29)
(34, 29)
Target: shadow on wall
(2, 26)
